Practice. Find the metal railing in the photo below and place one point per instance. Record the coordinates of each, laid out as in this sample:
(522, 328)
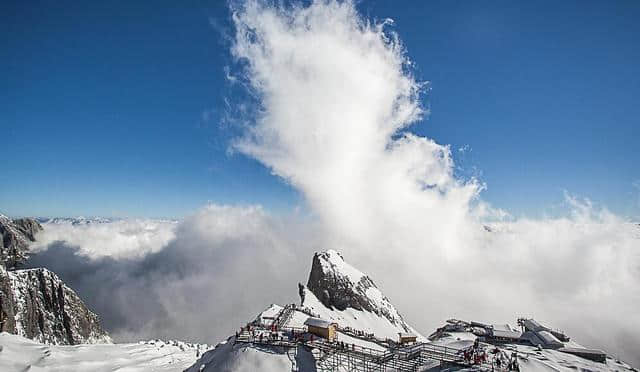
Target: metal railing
(331, 355)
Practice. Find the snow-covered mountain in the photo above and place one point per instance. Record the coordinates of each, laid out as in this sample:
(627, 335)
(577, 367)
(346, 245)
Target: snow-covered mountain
(339, 292)
(82, 221)
(15, 237)
(366, 333)
(39, 306)
(35, 303)
(75, 221)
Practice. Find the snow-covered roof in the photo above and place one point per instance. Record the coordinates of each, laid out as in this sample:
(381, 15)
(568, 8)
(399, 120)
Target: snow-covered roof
(501, 327)
(548, 338)
(317, 322)
(506, 334)
(532, 325)
(591, 354)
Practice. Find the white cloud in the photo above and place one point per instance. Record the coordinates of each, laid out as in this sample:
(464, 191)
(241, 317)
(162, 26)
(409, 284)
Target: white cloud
(221, 266)
(336, 99)
(117, 239)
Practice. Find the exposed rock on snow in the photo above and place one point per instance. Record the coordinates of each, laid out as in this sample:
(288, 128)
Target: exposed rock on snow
(340, 286)
(36, 304)
(75, 221)
(15, 236)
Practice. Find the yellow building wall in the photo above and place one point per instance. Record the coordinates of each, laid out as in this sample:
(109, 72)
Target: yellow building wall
(328, 333)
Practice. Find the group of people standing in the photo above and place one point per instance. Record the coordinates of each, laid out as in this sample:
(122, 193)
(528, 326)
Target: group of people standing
(476, 354)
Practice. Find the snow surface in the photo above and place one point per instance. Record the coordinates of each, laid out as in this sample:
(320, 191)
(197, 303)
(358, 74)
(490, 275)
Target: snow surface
(359, 320)
(533, 360)
(18, 354)
(267, 317)
(228, 357)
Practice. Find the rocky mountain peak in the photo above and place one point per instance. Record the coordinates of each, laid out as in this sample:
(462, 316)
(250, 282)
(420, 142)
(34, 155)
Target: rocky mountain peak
(15, 237)
(36, 304)
(338, 285)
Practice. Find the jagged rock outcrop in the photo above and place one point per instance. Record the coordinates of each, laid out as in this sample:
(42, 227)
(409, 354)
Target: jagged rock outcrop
(38, 305)
(35, 303)
(7, 303)
(15, 236)
(28, 227)
(339, 285)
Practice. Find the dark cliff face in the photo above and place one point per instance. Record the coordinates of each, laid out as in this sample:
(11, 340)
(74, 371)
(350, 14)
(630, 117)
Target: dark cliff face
(340, 286)
(335, 290)
(15, 236)
(35, 303)
(7, 303)
(28, 227)
(46, 310)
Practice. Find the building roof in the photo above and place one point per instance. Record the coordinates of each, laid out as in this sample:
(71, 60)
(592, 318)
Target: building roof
(532, 325)
(532, 338)
(581, 350)
(317, 322)
(549, 339)
(591, 354)
(506, 334)
(406, 335)
(501, 327)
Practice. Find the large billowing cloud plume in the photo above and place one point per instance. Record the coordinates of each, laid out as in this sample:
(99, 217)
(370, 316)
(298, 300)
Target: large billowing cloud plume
(335, 100)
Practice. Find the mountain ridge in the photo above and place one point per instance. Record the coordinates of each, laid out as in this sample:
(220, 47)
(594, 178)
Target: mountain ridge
(36, 303)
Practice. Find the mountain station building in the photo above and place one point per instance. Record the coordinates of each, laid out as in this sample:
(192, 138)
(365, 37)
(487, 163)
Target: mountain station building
(322, 328)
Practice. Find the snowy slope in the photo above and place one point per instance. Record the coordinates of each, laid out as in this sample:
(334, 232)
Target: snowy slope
(227, 357)
(361, 320)
(18, 354)
(338, 291)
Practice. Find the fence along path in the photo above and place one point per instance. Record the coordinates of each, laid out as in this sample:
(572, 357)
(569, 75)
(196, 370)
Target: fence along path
(333, 355)
(330, 356)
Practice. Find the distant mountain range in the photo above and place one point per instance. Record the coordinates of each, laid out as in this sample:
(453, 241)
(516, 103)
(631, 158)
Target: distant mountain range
(74, 220)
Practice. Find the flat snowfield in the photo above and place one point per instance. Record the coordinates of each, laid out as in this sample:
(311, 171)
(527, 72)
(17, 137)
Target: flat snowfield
(18, 354)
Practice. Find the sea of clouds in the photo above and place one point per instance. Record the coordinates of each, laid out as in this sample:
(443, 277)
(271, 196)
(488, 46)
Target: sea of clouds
(333, 99)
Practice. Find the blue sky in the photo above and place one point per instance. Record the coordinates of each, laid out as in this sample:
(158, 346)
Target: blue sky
(102, 109)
